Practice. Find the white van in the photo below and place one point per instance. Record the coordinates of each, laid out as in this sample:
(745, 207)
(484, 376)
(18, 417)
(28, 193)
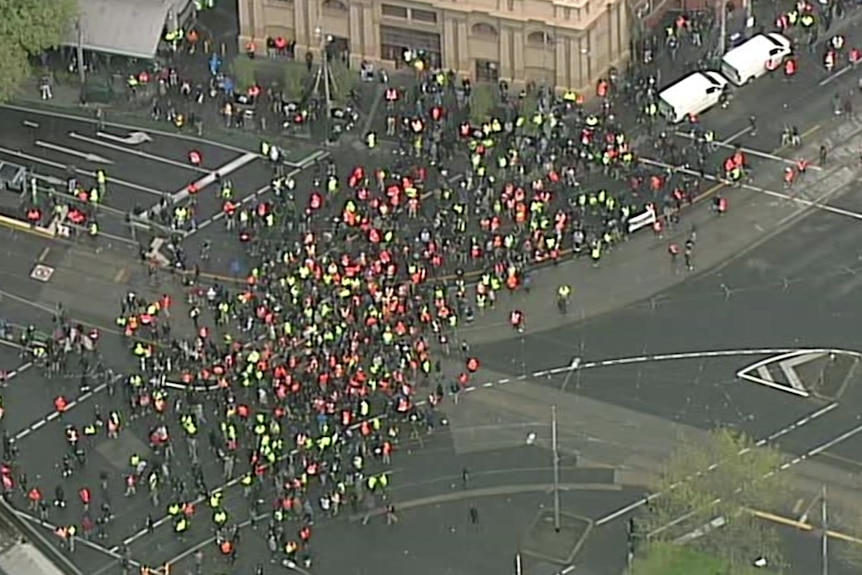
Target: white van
(755, 57)
(691, 96)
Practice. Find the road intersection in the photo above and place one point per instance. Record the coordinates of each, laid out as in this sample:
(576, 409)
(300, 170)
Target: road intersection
(676, 357)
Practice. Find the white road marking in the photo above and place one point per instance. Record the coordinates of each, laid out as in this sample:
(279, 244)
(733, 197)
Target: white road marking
(37, 425)
(760, 443)
(773, 193)
(569, 367)
(835, 75)
(126, 127)
(783, 467)
(138, 153)
(726, 144)
(132, 139)
(86, 156)
(764, 377)
(86, 542)
(64, 167)
(256, 194)
(734, 136)
(7, 379)
(207, 180)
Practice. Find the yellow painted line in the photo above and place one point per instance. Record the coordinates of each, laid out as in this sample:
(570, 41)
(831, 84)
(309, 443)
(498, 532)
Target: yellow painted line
(44, 254)
(789, 522)
(21, 226)
(803, 526)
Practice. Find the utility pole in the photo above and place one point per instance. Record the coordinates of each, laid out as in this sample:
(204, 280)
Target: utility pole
(79, 41)
(324, 75)
(722, 13)
(556, 456)
(824, 542)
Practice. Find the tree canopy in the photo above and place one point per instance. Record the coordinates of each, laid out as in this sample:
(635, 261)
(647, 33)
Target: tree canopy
(719, 479)
(28, 28)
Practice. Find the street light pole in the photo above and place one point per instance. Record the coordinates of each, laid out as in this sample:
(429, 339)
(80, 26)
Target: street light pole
(327, 91)
(556, 456)
(824, 542)
(79, 44)
(722, 13)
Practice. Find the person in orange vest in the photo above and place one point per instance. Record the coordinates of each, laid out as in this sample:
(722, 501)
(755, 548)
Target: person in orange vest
(673, 251)
(250, 49)
(829, 60)
(790, 67)
(855, 56)
(801, 166)
(602, 88)
(789, 176)
(60, 404)
(472, 365)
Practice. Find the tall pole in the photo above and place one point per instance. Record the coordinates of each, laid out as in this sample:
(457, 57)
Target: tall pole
(722, 13)
(79, 43)
(555, 454)
(824, 542)
(327, 92)
(519, 567)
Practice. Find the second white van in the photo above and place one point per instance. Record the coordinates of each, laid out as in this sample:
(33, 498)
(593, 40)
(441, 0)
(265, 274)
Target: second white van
(755, 57)
(691, 96)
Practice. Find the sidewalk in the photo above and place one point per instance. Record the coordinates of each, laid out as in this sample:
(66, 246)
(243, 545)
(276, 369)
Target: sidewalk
(639, 268)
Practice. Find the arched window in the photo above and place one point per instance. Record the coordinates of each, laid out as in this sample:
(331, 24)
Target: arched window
(539, 39)
(483, 29)
(335, 5)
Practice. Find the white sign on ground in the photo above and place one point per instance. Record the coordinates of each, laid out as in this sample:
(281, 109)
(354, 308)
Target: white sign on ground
(42, 273)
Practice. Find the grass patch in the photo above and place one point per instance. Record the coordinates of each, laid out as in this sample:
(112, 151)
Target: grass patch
(669, 559)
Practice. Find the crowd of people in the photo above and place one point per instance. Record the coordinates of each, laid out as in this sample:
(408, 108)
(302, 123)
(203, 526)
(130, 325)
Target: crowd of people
(302, 384)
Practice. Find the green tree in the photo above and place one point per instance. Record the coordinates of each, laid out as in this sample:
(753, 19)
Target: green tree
(295, 82)
(28, 28)
(344, 80)
(244, 71)
(718, 481)
(483, 101)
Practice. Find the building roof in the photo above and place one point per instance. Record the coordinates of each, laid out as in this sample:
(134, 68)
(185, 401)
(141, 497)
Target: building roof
(130, 28)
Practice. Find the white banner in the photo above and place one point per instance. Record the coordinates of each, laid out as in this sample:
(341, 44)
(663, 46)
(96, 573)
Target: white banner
(643, 220)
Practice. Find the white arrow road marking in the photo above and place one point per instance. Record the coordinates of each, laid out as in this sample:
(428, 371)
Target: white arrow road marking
(140, 154)
(133, 139)
(64, 167)
(93, 158)
(759, 372)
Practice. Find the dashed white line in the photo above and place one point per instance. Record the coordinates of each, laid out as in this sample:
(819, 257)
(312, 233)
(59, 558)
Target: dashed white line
(37, 425)
(760, 443)
(9, 376)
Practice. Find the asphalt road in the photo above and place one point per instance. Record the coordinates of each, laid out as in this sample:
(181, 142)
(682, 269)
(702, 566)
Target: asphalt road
(798, 290)
(140, 174)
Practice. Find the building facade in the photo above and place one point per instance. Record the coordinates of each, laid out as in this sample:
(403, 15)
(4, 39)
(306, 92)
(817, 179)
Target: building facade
(565, 43)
